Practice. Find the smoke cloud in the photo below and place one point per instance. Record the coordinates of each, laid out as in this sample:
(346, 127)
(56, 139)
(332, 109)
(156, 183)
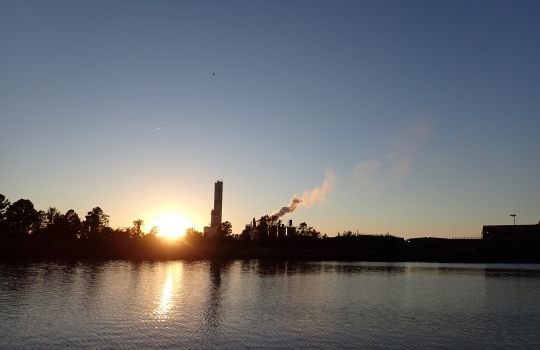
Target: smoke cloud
(308, 198)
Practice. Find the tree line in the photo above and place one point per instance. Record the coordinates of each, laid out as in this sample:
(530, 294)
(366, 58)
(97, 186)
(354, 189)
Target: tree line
(27, 233)
(20, 220)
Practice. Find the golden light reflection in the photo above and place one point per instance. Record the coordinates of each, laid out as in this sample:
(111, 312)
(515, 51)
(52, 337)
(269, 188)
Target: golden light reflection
(173, 281)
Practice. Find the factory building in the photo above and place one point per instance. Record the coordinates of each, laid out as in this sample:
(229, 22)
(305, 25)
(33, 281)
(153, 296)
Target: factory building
(215, 214)
(512, 232)
(268, 229)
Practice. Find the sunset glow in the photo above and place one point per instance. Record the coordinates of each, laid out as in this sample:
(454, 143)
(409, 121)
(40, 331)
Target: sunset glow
(170, 224)
(357, 115)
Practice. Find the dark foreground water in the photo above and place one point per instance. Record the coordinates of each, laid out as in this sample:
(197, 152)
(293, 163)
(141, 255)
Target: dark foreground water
(252, 304)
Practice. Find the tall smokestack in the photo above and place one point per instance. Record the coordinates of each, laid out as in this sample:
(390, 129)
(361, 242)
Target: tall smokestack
(215, 214)
(215, 221)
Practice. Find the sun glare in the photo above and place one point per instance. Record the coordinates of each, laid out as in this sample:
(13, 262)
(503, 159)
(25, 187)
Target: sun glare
(170, 225)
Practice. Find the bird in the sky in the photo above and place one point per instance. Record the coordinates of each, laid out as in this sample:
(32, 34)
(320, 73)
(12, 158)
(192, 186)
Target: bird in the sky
(213, 74)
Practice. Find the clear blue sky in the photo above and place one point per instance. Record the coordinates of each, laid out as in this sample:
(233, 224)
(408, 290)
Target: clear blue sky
(426, 112)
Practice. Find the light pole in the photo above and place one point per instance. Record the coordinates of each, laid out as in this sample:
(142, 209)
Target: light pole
(514, 216)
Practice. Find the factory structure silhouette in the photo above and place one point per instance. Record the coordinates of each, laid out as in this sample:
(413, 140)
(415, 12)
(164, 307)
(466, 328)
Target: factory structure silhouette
(264, 228)
(270, 227)
(216, 213)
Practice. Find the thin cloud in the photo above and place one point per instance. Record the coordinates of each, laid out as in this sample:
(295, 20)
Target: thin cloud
(398, 163)
(363, 172)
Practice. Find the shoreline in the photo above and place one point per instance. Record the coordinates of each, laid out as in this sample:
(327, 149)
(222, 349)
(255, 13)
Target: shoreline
(450, 252)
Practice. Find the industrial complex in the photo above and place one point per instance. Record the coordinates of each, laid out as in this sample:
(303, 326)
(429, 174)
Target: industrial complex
(270, 227)
(266, 227)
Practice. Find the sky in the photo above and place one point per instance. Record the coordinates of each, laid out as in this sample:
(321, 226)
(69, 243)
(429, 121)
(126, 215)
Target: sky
(414, 118)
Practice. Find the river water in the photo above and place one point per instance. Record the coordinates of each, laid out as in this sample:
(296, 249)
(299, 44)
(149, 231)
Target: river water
(268, 304)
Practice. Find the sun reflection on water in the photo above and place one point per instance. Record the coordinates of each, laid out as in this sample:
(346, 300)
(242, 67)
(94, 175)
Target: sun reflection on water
(170, 288)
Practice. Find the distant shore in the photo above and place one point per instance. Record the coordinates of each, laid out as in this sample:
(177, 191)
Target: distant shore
(29, 234)
(363, 248)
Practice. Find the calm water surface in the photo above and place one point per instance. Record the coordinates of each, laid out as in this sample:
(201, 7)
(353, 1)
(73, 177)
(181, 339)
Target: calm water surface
(253, 304)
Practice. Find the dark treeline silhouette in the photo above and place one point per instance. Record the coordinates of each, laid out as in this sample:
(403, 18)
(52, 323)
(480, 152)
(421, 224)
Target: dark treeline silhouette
(27, 233)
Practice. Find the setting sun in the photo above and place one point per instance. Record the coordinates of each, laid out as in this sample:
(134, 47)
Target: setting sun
(170, 225)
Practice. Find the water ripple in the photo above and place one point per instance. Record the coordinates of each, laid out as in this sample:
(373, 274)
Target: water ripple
(268, 304)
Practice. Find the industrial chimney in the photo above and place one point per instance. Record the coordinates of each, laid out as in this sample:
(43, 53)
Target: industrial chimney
(215, 214)
(218, 204)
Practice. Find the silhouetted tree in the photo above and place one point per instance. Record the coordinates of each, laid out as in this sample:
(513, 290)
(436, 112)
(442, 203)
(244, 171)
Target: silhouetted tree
(192, 233)
(41, 223)
(60, 227)
(225, 230)
(95, 221)
(73, 223)
(307, 231)
(49, 226)
(136, 231)
(22, 217)
(313, 233)
(154, 231)
(52, 216)
(244, 235)
(4, 204)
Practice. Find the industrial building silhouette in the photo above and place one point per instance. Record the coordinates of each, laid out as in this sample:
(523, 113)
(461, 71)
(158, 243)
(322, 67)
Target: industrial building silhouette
(511, 232)
(268, 228)
(216, 213)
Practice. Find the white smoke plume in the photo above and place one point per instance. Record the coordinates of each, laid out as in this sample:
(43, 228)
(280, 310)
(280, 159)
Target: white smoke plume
(308, 198)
